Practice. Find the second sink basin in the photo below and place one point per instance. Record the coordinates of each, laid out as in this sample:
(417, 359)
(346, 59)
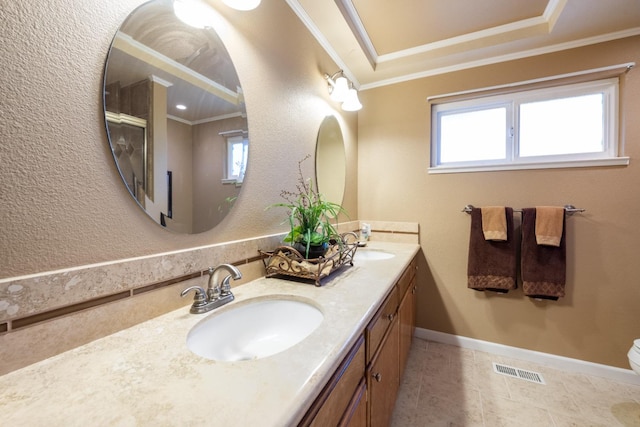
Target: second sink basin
(255, 329)
(371, 255)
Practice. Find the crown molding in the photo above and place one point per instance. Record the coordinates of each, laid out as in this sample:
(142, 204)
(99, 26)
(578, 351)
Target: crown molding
(505, 58)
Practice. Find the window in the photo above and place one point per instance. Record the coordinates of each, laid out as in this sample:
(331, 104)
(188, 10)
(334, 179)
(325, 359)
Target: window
(571, 125)
(237, 150)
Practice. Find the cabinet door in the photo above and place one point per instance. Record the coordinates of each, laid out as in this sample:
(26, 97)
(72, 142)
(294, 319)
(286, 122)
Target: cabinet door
(414, 305)
(405, 318)
(384, 380)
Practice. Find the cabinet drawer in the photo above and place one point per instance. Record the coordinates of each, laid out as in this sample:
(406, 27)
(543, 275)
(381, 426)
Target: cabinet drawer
(381, 321)
(329, 408)
(406, 278)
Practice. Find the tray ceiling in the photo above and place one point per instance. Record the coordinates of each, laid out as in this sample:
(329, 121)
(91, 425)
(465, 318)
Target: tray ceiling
(379, 42)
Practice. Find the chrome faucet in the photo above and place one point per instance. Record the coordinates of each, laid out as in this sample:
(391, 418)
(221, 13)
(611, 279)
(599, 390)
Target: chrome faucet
(216, 295)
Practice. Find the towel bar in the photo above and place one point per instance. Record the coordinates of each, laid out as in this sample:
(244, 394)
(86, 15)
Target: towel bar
(569, 209)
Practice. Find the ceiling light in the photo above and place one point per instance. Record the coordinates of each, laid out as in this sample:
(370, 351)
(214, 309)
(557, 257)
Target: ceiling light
(193, 13)
(342, 90)
(181, 107)
(242, 4)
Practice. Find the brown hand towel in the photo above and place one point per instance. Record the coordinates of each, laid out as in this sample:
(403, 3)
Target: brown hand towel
(543, 267)
(494, 223)
(492, 264)
(549, 225)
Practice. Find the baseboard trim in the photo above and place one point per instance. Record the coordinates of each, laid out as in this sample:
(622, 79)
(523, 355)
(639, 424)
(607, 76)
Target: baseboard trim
(546, 359)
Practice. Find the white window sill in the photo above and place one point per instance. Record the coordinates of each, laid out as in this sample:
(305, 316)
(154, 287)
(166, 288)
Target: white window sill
(615, 161)
(232, 181)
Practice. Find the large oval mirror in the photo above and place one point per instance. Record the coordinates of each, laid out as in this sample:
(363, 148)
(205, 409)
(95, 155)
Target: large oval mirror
(331, 162)
(176, 119)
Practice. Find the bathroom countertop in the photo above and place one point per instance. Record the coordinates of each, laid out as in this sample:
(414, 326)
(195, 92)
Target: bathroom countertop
(146, 375)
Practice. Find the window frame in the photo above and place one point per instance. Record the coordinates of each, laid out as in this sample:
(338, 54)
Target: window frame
(609, 87)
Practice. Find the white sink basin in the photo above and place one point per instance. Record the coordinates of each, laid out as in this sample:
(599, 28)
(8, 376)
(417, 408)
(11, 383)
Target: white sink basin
(255, 329)
(371, 255)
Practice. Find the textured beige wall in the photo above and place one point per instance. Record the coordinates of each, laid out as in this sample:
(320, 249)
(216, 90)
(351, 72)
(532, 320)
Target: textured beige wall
(598, 319)
(62, 202)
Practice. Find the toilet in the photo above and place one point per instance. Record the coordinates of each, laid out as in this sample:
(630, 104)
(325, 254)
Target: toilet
(634, 356)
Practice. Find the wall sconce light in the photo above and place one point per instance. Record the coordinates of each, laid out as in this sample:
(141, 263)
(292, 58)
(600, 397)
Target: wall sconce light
(342, 90)
(242, 4)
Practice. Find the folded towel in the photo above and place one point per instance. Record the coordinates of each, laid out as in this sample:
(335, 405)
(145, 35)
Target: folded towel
(549, 225)
(543, 267)
(492, 264)
(494, 223)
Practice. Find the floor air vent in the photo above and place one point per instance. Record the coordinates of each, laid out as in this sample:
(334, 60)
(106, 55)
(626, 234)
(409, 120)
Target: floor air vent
(510, 371)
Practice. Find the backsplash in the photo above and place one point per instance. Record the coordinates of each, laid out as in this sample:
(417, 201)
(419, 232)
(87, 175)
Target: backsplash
(46, 314)
(25, 296)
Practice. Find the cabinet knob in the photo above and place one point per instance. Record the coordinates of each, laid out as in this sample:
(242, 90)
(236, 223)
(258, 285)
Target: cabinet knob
(377, 376)
(415, 288)
(390, 316)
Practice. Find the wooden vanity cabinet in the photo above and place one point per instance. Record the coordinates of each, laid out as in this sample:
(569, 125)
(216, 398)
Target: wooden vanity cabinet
(388, 339)
(338, 402)
(364, 388)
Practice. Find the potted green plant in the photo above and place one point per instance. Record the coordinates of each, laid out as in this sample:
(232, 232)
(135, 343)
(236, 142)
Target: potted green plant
(309, 216)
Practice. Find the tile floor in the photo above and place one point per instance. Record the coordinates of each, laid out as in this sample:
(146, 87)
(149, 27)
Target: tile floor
(446, 386)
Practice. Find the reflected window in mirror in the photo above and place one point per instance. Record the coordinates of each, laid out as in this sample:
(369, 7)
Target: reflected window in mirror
(182, 83)
(237, 156)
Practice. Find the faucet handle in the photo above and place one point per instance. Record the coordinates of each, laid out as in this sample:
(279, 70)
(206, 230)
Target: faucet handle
(199, 299)
(225, 287)
(213, 290)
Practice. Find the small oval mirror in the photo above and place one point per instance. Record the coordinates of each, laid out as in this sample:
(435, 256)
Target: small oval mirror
(331, 162)
(175, 118)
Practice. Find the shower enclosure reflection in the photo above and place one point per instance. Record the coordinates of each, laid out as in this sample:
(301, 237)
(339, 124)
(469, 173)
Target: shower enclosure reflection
(130, 151)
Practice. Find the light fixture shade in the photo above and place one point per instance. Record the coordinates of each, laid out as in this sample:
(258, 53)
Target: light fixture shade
(242, 4)
(351, 102)
(193, 13)
(340, 89)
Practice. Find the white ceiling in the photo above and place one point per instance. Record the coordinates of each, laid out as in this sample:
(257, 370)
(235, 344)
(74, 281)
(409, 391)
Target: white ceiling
(191, 63)
(380, 42)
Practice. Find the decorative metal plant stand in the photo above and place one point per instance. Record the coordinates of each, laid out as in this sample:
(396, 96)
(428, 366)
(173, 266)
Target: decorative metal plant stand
(288, 262)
